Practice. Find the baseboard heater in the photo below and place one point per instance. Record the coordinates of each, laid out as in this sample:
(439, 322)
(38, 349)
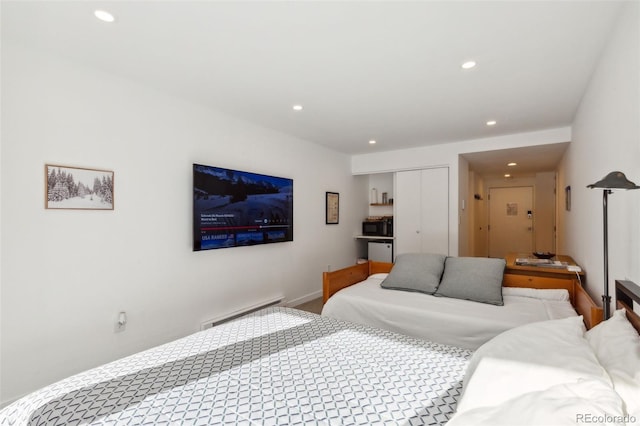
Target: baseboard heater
(276, 301)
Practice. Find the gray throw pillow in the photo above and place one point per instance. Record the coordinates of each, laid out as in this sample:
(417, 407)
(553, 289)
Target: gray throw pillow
(419, 272)
(473, 278)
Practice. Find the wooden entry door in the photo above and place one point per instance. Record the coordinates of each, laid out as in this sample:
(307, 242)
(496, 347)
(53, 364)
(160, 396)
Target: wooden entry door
(510, 220)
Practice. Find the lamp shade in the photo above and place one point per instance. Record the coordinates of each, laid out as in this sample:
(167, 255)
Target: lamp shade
(614, 180)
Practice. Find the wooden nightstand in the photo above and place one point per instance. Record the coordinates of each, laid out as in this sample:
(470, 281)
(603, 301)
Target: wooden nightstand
(549, 277)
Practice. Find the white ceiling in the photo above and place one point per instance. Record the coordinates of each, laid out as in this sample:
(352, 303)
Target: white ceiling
(383, 70)
(529, 160)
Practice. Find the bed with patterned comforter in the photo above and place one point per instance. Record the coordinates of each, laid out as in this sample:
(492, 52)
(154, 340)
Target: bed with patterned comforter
(273, 367)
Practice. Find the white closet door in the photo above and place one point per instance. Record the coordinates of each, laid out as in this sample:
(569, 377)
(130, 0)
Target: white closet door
(434, 216)
(421, 222)
(407, 204)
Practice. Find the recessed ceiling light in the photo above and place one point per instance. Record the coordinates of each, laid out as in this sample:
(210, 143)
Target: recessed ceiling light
(491, 122)
(507, 175)
(372, 142)
(297, 107)
(512, 164)
(468, 65)
(105, 16)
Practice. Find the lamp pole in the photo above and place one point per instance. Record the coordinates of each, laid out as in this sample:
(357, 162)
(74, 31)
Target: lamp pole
(614, 180)
(606, 299)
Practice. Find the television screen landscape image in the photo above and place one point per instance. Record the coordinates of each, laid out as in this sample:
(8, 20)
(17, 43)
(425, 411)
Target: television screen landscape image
(234, 208)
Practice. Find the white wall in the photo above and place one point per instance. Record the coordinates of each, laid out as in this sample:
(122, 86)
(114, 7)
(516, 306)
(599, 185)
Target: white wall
(66, 274)
(447, 155)
(464, 220)
(480, 220)
(606, 137)
(545, 194)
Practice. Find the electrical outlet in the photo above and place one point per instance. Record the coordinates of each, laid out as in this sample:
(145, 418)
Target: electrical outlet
(121, 323)
(574, 268)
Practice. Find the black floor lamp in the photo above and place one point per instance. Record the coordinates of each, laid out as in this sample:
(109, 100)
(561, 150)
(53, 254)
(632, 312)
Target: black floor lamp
(614, 180)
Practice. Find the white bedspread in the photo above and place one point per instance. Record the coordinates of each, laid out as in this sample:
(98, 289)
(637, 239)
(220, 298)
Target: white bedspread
(444, 320)
(277, 366)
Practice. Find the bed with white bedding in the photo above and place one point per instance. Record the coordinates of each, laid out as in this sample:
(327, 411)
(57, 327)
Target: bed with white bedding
(439, 318)
(273, 367)
(455, 301)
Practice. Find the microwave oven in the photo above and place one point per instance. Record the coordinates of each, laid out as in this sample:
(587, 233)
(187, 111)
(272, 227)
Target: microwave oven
(378, 227)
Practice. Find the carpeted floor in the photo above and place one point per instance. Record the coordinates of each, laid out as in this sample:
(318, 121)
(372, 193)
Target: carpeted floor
(314, 306)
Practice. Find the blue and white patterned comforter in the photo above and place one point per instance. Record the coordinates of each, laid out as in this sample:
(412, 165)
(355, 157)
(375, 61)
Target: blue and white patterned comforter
(277, 366)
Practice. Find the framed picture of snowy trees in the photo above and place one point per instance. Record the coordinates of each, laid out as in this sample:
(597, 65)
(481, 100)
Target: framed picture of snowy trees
(78, 188)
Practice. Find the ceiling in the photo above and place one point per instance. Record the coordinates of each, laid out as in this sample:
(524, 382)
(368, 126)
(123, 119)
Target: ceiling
(529, 160)
(383, 70)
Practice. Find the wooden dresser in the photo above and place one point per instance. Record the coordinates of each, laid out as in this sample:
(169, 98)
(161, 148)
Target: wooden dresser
(549, 277)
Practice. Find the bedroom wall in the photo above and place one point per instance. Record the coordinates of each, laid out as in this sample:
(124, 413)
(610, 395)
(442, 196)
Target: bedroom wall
(606, 137)
(465, 238)
(66, 274)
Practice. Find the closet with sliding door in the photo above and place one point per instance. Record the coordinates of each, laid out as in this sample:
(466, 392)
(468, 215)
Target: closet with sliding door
(421, 211)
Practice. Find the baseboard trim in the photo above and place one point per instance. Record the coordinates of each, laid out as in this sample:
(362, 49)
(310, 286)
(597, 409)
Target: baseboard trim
(3, 404)
(304, 299)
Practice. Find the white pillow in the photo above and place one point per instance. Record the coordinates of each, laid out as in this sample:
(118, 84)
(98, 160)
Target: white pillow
(529, 358)
(560, 295)
(379, 276)
(617, 346)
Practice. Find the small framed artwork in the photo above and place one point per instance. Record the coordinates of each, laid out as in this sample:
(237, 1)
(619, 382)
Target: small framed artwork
(78, 188)
(567, 198)
(332, 208)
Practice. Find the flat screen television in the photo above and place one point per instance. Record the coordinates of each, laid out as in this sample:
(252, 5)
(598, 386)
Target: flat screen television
(233, 208)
